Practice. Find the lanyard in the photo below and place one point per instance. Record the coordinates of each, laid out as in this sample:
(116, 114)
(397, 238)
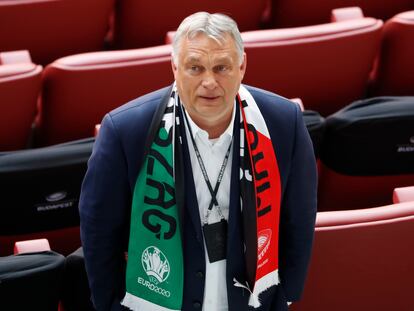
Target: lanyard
(204, 171)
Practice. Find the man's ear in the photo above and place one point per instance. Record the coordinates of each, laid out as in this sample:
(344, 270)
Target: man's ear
(243, 65)
(174, 68)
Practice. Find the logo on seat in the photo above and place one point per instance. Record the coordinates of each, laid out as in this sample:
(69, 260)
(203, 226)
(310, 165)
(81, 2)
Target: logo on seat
(57, 196)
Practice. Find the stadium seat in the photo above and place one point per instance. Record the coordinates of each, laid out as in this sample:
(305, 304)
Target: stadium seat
(20, 85)
(50, 29)
(395, 70)
(31, 281)
(80, 89)
(362, 260)
(136, 26)
(366, 152)
(294, 13)
(40, 193)
(326, 65)
(403, 194)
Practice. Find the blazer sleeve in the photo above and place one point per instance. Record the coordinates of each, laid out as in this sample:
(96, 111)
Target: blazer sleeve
(104, 204)
(298, 213)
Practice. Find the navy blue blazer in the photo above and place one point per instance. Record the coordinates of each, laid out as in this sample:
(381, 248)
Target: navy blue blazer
(106, 197)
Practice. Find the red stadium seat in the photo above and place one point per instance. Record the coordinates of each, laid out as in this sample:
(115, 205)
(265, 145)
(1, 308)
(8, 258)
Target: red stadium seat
(80, 89)
(362, 260)
(50, 29)
(294, 13)
(403, 194)
(145, 23)
(20, 84)
(327, 65)
(395, 72)
(339, 191)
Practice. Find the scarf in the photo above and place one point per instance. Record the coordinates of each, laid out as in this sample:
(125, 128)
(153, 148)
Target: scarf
(155, 270)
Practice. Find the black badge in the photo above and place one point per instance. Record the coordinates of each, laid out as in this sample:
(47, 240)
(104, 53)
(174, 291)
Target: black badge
(215, 236)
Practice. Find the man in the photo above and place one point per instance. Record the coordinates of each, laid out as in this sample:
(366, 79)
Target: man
(212, 183)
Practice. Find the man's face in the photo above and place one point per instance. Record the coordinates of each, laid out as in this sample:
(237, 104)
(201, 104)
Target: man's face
(208, 77)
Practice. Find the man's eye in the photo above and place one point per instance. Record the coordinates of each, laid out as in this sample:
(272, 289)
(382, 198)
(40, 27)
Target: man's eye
(221, 68)
(195, 68)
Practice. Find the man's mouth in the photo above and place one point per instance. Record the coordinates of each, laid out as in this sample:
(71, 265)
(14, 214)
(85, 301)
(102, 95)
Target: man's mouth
(209, 97)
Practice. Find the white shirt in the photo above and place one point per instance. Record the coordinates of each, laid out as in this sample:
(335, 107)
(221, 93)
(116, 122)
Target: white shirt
(212, 153)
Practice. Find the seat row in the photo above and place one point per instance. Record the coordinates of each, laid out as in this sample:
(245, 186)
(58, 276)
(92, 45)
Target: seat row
(56, 28)
(328, 66)
(294, 13)
(364, 151)
(49, 31)
(362, 260)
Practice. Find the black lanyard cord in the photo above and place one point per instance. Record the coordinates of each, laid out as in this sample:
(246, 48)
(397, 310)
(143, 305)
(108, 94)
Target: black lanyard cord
(204, 171)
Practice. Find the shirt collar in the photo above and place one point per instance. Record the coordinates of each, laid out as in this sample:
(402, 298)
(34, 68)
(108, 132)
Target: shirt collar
(196, 130)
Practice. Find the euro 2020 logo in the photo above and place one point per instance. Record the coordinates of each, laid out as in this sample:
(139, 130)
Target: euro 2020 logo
(155, 264)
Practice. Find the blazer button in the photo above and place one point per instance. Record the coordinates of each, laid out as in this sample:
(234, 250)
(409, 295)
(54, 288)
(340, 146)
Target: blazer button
(200, 274)
(196, 304)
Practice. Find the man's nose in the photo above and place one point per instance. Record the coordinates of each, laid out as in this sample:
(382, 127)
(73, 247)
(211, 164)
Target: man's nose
(209, 80)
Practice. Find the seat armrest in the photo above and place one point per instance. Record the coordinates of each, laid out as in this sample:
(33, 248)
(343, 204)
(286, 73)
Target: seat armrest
(345, 14)
(31, 246)
(403, 194)
(15, 57)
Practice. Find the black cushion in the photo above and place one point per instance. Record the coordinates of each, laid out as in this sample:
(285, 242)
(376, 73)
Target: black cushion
(31, 281)
(371, 137)
(41, 187)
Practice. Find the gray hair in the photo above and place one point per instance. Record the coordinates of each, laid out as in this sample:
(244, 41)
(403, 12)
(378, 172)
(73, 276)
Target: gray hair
(214, 26)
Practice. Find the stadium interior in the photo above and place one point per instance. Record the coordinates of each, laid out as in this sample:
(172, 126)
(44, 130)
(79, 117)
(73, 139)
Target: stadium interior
(349, 64)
